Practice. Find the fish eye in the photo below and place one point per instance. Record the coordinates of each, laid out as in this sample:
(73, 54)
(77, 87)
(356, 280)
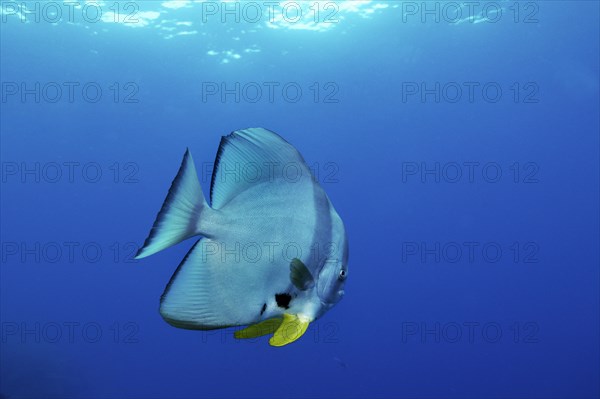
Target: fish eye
(342, 275)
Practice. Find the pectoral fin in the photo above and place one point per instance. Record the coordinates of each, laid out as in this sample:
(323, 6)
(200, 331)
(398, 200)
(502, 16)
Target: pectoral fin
(259, 329)
(300, 276)
(292, 328)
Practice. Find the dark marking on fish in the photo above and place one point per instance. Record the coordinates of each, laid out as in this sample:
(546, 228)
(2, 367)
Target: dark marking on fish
(264, 307)
(283, 300)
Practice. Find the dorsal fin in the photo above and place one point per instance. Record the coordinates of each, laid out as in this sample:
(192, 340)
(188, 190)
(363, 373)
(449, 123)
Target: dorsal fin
(251, 156)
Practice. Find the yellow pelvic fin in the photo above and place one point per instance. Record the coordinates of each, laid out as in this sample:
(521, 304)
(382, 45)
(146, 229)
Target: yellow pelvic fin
(292, 328)
(265, 327)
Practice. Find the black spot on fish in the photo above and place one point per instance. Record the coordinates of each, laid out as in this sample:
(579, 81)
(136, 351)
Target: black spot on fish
(263, 309)
(283, 300)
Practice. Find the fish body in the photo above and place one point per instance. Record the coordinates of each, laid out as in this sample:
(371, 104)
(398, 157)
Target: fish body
(274, 250)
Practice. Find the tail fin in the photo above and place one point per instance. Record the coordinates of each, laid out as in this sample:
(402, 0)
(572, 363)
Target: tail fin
(180, 214)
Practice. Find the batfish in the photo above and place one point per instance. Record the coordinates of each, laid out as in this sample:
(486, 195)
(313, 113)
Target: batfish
(273, 252)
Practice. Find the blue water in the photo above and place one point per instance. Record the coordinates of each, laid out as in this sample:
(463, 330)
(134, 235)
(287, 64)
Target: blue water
(472, 215)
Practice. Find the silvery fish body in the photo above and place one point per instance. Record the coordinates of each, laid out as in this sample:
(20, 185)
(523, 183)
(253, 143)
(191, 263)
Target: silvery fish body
(274, 250)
